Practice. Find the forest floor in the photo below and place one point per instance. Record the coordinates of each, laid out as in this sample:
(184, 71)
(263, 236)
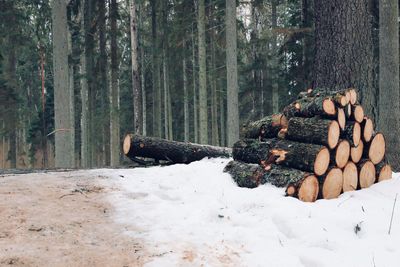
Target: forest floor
(189, 215)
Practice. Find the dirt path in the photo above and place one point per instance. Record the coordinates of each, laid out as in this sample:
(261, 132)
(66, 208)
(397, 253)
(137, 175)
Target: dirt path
(62, 219)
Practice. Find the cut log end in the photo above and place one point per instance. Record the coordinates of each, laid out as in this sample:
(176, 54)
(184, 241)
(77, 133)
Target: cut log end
(283, 121)
(308, 191)
(358, 113)
(367, 174)
(329, 106)
(333, 134)
(322, 161)
(348, 96)
(357, 152)
(356, 133)
(368, 129)
(353, 96)
(341, 118)
(342, 153)
(333, 184)
(127, 144)
(385, 173)
(377, 148)
(350, 177)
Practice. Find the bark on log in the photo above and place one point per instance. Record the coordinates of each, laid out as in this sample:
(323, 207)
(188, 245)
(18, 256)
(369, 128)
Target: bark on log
(352, 133)
(340, 155)
(298, 183)
(367, 128)
(310, 107)
(267, 127)
(367, 175)
(357, 152)
(375, 150)
(331, 183)
(383, 171)
(175, 152)
(350, 177)
(302, 156)
(314, 130)
(340, 97)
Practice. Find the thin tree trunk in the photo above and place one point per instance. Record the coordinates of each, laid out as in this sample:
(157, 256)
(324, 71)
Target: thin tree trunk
(165, 85)
(64, 137)
(71, 86)
(142, 72)
(185, 98)
(136, 86)
(114, 111)
(156, 72)
(213, 83)
(169, 99)
(389, 94)
(195, 108)
(222, 114)
(275, 62)
(203, 109)
(231, 70)
(343, 48)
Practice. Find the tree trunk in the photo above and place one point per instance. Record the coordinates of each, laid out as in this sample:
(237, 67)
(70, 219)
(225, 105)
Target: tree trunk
(213, 79)
(306, 157)
(63, 104)
(267, 127)
(136, 86)
(185, 100)
(114, 110)
(203, 109)
(173, 151)
(142, 72)
(231, 71)
(156, 71)
(222, 114)
(389, 91)
(314, 130)
(343, 48)
(275, 61)
(195, 108)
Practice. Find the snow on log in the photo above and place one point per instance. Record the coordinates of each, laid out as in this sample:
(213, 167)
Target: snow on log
(267, 127)
(173, 151)
(302, 156)
(314, 130)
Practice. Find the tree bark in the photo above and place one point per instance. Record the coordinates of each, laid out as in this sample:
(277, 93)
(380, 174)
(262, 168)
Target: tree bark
(114, 110)
(203, 112)
(231, 71)
(63, 105)
(173, 151)
(389, 91)
(302, 156)
(275, 61)
(195, 98)
(343, 48)
(185, 99)
(267, 127)
(136, 86)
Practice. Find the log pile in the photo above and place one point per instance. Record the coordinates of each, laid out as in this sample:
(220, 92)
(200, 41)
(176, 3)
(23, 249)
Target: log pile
(320, 146)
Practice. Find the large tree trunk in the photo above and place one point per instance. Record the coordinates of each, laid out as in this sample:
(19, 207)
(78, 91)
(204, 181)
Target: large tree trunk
(114, 111)
(343, 48)
(136, 86)
(63, 97)
(231, 71)
(203, 112)
(173, 151)
(389, 91)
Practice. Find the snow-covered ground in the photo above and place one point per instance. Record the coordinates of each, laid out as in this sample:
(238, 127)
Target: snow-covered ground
(194, 215)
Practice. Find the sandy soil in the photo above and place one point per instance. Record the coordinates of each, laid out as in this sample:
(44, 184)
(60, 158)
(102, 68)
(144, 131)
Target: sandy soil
(62, 219)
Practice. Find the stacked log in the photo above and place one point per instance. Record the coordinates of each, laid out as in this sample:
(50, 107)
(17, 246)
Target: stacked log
(319, 147)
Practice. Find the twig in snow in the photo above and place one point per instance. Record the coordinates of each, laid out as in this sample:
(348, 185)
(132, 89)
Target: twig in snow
(391, 219)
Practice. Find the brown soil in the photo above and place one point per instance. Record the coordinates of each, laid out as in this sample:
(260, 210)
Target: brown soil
(62, 219)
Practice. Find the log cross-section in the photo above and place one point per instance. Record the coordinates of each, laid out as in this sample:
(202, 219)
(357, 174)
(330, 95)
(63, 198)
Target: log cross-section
(367, 175)
(375, 150)
(331, 183)
(173, 151)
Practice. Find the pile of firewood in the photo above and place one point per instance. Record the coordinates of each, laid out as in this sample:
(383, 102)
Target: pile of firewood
(320, 146)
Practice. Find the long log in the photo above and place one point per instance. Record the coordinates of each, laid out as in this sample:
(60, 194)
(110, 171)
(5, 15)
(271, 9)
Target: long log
(375, 150)
(340, 97)
(314, 130)
(302, 156)
(383, 171)
(331, 183)
(267, 127)
(310, 107)
(173, 151)
(298, 183)
(367, 175)
(352, 133)
(350, 177)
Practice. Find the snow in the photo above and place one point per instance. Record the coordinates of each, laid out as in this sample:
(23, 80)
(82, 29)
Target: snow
(192, 215)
